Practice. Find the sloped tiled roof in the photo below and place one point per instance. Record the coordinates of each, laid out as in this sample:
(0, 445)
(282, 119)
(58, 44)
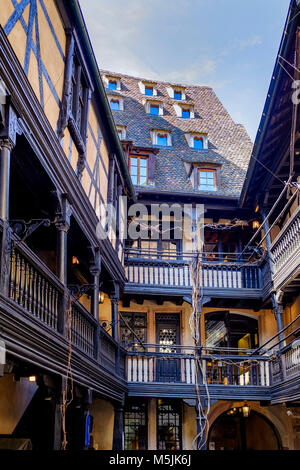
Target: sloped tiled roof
(228, 143)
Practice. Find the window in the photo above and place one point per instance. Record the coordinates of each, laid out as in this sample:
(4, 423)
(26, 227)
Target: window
(207, 179)
(139, 169)
(185, 113)
(149, 90)
(177, 95)
(115, 105)
(168, 425)
(112, 85)
(135, 425)
(162, 139)
(138, 324)
(79, 96)
(154, 109)
(121, 132)
(198, 143)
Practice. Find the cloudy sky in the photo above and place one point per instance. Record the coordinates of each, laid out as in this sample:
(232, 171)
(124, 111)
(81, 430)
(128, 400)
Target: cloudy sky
(230, 45)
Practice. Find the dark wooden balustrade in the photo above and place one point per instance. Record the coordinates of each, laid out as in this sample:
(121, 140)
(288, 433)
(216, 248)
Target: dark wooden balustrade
(285, 250)
(241, 370)
(83, 328)
(34, 289)
(148, 268)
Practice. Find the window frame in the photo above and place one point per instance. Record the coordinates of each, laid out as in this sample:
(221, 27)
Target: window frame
(185, 110)
(139, 157)
(110, 80)
(207, 170)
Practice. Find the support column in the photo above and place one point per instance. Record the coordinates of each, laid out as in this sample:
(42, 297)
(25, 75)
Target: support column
(118, 438)
(95, 270)
(62, 224)
(278, 309)
(6, 146)
(114, 298)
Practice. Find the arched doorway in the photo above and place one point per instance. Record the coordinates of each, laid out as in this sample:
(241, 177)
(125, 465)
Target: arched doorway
(224, 329)
(233, 431)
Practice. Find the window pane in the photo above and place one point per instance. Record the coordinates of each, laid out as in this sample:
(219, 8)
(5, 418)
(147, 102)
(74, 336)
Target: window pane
(185, 113)
(112, 85)
(161, 139)
(143, 171)
(177, 95)
(149, 91)
(198, 143)
(154, 110)
(143, 162)
(143, 179)
(120, 135)
(114, 104)
(134, 179)
(133, 171)
(133, 161)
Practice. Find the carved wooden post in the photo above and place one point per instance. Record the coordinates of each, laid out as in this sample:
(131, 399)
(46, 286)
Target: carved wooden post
(95, 270)
(63, 224)
(9, 125)
(114, 298)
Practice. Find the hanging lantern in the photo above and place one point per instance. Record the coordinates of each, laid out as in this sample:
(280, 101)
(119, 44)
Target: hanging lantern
(246, 410)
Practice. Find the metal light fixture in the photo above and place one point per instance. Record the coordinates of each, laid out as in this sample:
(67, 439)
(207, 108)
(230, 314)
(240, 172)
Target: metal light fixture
(255, 224)
(32, 378)
(101, 297)
(75, 260)
(246, 410)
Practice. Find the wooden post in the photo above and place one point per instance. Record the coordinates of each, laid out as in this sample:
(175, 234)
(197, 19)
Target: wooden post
(6, 146)
(118, 437)
(95, 270)
(62, 225)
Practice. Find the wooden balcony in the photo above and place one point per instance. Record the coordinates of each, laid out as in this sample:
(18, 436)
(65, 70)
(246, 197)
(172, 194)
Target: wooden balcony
(285, 253)
(34, 308)
(226, 374)
(156, 273)
(285, 368)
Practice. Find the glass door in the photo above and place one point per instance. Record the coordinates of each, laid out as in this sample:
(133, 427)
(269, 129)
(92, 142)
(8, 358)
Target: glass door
(167, 336)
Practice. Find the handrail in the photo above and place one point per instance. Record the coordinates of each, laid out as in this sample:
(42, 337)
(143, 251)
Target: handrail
(285, 228)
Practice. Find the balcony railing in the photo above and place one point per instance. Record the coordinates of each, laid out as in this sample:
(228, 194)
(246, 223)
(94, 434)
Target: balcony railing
(222, 368)
(286, 364)
(152, 268)
(38, 294)
(285, 250)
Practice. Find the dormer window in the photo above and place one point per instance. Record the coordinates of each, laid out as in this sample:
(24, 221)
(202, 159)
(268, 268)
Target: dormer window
(121, 130)
(112, 84)
(185, 113)
(197, 141)
(154, 107)
(116, 103)
(176, 92)
(207, 179)
(148, 88)
(161, 138)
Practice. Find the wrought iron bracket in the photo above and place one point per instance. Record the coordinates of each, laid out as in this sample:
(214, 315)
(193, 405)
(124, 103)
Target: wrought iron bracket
(77, 291)
(24, 229)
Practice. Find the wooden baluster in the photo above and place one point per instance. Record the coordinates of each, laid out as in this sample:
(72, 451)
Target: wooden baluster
(30, 289)
(17, 278)
(38, 300)
(12, 271)
(34, 292)
(50, 305)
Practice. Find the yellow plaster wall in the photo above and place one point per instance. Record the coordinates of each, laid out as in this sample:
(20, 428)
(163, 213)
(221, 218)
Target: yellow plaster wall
(103, 427)
(50, 55)
(14, 399)
(189, 426)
